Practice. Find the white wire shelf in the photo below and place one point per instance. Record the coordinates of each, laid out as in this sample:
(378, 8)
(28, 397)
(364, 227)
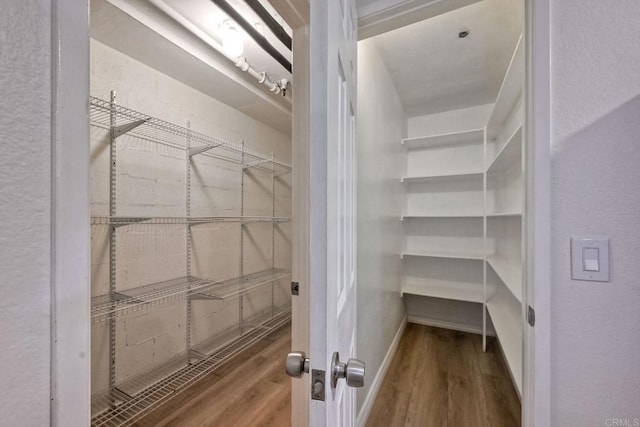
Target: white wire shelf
(145, 297)
(119, 221)
(117, 304)
(144, 126)
(268, 165)
(271, 319)
(236, 286)
(129, 401)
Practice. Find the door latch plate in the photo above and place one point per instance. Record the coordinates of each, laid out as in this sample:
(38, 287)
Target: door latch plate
(295, 288)
(317, 384)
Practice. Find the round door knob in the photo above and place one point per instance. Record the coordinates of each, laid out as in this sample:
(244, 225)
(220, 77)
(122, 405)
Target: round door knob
(355, 373)
(297, 364)
(352, 371)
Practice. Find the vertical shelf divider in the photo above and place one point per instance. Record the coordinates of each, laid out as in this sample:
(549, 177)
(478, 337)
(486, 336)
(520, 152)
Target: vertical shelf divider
(484, 242)
(242, 229)
(188, 241)
(112, 237)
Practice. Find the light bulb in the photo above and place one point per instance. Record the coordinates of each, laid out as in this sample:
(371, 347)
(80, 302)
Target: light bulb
(232, 42)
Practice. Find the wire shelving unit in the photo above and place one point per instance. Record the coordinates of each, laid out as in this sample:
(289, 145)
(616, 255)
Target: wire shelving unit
(125, 401)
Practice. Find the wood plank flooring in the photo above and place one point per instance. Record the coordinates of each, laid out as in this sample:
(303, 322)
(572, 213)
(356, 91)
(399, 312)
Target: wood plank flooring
(252, 390)
(438, 378)
(442, 378)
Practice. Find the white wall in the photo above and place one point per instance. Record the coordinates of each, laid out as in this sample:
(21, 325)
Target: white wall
(381, 125)
(25, 213)
(595, 358)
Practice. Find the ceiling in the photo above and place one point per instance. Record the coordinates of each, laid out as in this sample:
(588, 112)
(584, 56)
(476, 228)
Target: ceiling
(434, 70)
(141, 31)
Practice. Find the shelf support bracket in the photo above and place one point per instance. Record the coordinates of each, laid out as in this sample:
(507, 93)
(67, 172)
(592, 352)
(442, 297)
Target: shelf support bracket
(118, 394)
(198, 295)
(195, 354)
(201, 149)
(122, 129)
(115, 223)
(256, 163)
(278, 175)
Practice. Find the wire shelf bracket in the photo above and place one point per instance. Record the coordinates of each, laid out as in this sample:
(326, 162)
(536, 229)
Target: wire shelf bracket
(127, 127)
(201, 149)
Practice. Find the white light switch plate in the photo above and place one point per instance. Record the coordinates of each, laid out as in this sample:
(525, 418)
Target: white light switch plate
(582, 262)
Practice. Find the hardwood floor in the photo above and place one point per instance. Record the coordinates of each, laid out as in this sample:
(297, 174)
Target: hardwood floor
(438, 378)
(252, 390)
(443, 378)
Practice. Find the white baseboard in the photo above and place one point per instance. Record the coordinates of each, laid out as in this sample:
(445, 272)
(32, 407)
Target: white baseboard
(446, 325)
(365, 411)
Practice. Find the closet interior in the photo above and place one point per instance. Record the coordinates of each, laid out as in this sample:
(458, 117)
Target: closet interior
(191, 209)
(463, 218)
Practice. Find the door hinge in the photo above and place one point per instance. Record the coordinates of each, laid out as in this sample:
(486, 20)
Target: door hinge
(531, 316)
(295, 288)
(317, 384)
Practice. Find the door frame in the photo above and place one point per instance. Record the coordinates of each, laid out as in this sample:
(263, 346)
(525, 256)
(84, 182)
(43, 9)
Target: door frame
(70, 378)
(70, 321)
(537, 351)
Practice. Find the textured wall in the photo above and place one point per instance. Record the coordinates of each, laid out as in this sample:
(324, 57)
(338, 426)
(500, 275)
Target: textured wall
(595, 57)
(25, 234)
(381, 161)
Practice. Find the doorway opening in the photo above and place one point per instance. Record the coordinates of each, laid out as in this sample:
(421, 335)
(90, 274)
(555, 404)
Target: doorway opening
(441, 211)
(190, 188)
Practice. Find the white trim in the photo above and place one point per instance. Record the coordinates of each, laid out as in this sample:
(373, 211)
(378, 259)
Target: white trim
(70, 288)
(300, 222)
(382, 16)
(454, 326)
(365, 410)
(537, 355)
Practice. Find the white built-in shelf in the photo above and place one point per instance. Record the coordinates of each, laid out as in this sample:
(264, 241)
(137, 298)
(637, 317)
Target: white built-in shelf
(441, 215)
(438, 177)
(435, 254)
(506, 317)
(504, 214)
(447, 290)
(509, 154)
(464, 137)
(510, 92)
(509, 273)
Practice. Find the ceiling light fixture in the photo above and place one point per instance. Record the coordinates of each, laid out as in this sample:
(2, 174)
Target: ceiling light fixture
(232, 40)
